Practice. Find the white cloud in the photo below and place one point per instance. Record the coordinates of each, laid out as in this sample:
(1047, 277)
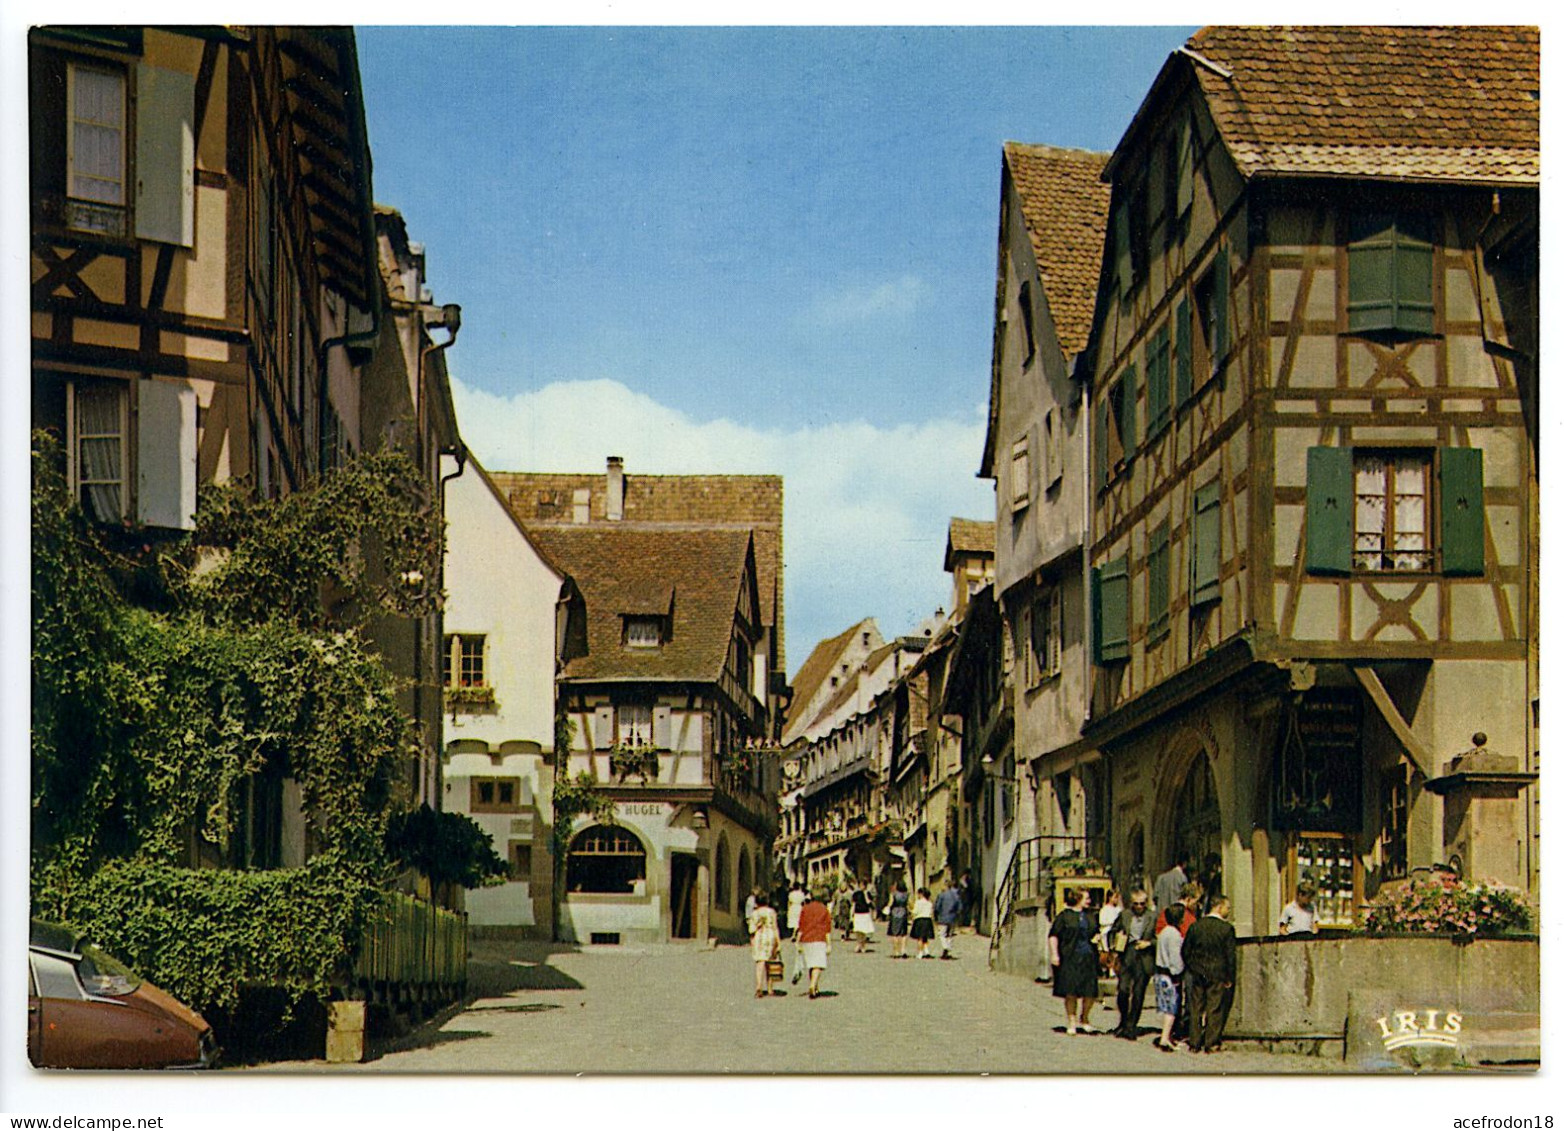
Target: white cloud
(896, 298)
(866, 507)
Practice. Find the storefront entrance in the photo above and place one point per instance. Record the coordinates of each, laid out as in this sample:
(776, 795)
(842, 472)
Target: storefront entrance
(683, 872)
(1197, 825)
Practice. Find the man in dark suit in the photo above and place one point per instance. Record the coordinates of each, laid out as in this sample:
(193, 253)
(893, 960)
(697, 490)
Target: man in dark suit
(1210, 969)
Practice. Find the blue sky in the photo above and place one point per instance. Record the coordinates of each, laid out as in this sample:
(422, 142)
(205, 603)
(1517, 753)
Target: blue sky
(739, 250)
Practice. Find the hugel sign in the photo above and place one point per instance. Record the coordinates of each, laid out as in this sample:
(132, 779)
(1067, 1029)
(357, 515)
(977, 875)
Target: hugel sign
(641, 808)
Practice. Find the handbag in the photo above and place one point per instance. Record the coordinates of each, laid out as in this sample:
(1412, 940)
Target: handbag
(773, 969)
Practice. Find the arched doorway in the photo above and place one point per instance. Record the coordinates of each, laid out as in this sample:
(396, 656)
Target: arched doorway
(721, 877)
(1196, 824)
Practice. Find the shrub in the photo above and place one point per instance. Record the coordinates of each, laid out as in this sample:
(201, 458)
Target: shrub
(449, 848)
(1445, 904)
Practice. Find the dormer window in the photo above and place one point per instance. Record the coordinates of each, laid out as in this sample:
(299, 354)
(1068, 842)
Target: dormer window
(643, 632)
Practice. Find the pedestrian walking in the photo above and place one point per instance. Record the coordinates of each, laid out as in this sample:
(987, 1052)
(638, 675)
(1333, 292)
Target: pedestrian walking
(1107, 916)
(1072, 951)
(1135, 937)
(896, 917)
(795, 904)
(1300, 916)
(765, 942)
(1210, 968)
(923, 922)
(814, 936)
(1169, 967)
(967, 889)
(750, 902)
(1190, 897)
(863, 917)
(1168, 886)
(947, 913)
(842, 913)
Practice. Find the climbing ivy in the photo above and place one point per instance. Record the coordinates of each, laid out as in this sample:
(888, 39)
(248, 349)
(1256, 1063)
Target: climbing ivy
(168, 677)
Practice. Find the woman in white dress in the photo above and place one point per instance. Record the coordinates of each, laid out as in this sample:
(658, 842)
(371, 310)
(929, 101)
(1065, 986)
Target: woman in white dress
(765, 943)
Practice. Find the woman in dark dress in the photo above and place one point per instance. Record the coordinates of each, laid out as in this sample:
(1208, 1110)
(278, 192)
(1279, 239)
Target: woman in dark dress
(896, 914)
(1072, 952)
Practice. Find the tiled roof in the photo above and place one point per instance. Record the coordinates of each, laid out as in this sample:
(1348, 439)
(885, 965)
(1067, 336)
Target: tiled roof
(820, 664)
(1065, 205)
(968, 536)
(625, 569)
(545, 499)
(1429, 103)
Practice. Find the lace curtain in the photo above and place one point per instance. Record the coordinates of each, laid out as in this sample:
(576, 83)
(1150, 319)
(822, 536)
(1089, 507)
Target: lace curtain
(100, 451)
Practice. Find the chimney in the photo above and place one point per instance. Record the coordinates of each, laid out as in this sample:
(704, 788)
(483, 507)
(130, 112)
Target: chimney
(615, 507)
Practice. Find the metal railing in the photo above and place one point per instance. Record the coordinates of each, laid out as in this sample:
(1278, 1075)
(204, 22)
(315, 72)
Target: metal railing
(1029, 875)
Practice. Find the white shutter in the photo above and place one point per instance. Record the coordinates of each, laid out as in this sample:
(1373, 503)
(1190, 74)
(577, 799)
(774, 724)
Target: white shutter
(662, 727)
(602, 728)
(166, 454)
(165, 155)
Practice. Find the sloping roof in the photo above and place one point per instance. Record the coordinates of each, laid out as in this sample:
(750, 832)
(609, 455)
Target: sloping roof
(1425, 103)
(849, 687)
(545, 499)
(1064, 204)
(968, 536)
(618, 568)
(821, 663)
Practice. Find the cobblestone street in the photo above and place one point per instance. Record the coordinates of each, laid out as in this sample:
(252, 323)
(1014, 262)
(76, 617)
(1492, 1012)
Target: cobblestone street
(660, 1009)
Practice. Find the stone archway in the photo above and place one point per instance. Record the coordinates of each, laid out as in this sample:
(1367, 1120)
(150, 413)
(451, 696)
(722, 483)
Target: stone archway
(1189, 814)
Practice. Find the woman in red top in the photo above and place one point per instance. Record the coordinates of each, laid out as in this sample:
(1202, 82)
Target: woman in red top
(814, 935)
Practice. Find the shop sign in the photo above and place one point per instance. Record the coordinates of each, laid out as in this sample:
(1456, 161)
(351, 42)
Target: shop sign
(641, 809)
(1318, 775)
(1424, 1028)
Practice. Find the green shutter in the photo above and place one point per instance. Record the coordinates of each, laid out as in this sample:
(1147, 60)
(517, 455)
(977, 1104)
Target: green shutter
(1329, 511)
(1157, 578)
(165, 155)
(1461, 533)
(1186, 358)
(1205, 558)
(1390, 275)
(1219, 299)
(1111, 590)
(1127, 412)
(1157, 383)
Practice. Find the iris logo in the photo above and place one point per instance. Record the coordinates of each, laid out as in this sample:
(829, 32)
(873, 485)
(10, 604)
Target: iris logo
(1409, 1028)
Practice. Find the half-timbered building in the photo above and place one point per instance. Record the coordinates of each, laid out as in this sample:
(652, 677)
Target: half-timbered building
(1313, 503)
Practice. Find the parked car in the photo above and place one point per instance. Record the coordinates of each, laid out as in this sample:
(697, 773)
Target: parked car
(86, 1009)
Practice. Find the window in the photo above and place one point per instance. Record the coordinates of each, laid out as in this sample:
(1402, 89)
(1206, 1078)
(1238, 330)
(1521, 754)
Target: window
(1157, 576)
(1375, 511)
(1116, 427)
(1330, 863)
(1390, 274)
(605, 859)
(1390, 512)
(1211, 301)
(99, 468)
(1025, 298)
(634, 724)
(95, 149)
(1020, 473)
(495, 795)
(520, 860)
(643, 632)
(1045, 629)
(1157, 409)
(1111, 610)
(1393, 823)
(462, 663)
(1205, 555)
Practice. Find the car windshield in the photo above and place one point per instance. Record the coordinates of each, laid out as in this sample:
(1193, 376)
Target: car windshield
(105, 975)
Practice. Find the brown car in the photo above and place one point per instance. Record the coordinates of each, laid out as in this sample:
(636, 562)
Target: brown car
(86, 1009)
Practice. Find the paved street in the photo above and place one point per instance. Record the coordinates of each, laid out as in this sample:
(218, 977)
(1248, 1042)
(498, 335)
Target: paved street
(679, 1009)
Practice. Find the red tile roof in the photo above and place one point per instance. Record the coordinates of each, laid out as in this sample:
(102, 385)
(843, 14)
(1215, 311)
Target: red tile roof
(629, 569)
(1064, 203)
(968, 536)
(1426, 103)
(821, 663)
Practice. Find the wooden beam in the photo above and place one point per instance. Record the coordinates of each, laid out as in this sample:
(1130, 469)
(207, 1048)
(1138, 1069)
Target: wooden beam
(1421, 757)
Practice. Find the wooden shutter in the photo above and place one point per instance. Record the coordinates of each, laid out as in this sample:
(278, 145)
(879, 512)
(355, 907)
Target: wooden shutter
(1157, 383)
(1461, 526)
(1186, 167)
(1328, 516)
(1111, 585)
(1205, 558)
(1371, 260)
(1127, 412)
(1157, 583)
(1222, 337)
(662, 727)
(1100, 446)
(165, 155)
(166, 455)
(1185, 345)
(603, 735)
(1414, 277)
